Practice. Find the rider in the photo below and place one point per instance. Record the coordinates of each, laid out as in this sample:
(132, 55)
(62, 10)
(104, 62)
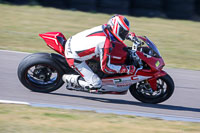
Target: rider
(96, 42)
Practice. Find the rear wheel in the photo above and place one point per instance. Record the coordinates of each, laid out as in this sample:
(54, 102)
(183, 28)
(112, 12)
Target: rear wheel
(143, 92)
(39, 73)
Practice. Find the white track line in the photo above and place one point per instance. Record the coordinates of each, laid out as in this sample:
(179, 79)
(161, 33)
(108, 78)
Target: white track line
(14, 51)
(14, 102)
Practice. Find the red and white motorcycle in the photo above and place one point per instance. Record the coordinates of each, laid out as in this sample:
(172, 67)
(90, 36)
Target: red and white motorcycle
(42, 72)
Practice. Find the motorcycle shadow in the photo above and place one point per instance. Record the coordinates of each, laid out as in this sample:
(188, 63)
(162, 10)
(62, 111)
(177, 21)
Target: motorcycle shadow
(127, 102)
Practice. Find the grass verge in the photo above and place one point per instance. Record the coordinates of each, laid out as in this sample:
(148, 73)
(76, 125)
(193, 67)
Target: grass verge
(23, 119)
(178, 40)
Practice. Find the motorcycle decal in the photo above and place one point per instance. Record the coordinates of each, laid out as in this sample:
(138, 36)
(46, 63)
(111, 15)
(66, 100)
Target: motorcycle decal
(56, 41)
(157, 64)
(123, 82)
(115, 88)
(117, 80)
(134, 78)
(140, 78)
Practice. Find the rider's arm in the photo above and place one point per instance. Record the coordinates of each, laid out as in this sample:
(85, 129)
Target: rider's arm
(105, 59)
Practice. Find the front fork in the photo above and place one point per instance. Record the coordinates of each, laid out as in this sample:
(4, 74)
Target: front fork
(153, 81)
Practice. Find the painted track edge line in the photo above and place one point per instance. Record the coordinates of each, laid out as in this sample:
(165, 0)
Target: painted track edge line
(14, 102)
(107, 111)
(12, 51)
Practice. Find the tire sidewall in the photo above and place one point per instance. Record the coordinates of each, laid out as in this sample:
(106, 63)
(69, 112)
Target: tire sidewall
(36, 59)
(170, 89)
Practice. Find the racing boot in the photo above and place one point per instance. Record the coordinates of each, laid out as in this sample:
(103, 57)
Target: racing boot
(75, 82)
(88, 87)
(72, 81)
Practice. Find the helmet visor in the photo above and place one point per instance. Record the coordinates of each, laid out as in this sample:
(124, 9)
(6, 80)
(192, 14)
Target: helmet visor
(122, 32)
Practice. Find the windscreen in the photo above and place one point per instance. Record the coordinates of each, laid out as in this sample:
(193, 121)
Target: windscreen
(152, 46)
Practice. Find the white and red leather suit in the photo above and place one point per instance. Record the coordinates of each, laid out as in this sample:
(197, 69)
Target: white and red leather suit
(94, 42)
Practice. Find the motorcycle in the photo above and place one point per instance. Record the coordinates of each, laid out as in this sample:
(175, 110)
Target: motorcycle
(43, 72)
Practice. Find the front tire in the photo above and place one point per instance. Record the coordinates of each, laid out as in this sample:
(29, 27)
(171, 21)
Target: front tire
(40, 73)
(165, 90)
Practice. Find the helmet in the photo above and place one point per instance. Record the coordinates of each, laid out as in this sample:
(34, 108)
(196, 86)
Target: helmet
(118, 25)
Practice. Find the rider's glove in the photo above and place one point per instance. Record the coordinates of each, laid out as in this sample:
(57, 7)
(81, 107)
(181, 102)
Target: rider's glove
(132, 37)
(127, 69)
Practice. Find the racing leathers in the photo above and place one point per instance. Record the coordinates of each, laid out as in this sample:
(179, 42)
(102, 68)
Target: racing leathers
(94, 42)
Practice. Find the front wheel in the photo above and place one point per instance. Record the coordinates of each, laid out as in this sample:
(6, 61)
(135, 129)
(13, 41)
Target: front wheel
(143, 92)
(40, 73)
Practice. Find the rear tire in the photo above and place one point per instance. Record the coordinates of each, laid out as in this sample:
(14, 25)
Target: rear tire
(165, 91)
(40, 73)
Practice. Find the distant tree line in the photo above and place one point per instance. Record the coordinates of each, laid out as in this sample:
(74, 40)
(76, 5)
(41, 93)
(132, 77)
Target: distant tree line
(175, 9)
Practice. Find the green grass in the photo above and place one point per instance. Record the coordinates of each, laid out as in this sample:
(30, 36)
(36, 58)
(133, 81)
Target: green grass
(178, 40)
(26, 119)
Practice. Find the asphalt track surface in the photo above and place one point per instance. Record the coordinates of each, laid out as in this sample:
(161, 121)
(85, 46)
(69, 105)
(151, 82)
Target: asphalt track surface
(185, 102)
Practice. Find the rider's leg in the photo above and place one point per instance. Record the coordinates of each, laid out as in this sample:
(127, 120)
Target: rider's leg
(91, 80)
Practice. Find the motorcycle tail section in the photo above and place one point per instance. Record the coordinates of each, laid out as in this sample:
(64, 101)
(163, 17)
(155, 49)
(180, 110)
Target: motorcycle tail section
(55, 40)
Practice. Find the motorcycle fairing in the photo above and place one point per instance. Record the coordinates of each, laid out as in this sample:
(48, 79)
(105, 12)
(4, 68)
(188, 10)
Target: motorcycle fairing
(154, 75)
(121, 83)
(55, 40)
(154, 63)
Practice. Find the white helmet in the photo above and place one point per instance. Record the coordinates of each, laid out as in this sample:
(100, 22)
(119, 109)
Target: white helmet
(119, 27)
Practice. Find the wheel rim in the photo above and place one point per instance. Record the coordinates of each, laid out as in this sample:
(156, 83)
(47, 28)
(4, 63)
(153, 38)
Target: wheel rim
(144, 89)
(42, 75)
